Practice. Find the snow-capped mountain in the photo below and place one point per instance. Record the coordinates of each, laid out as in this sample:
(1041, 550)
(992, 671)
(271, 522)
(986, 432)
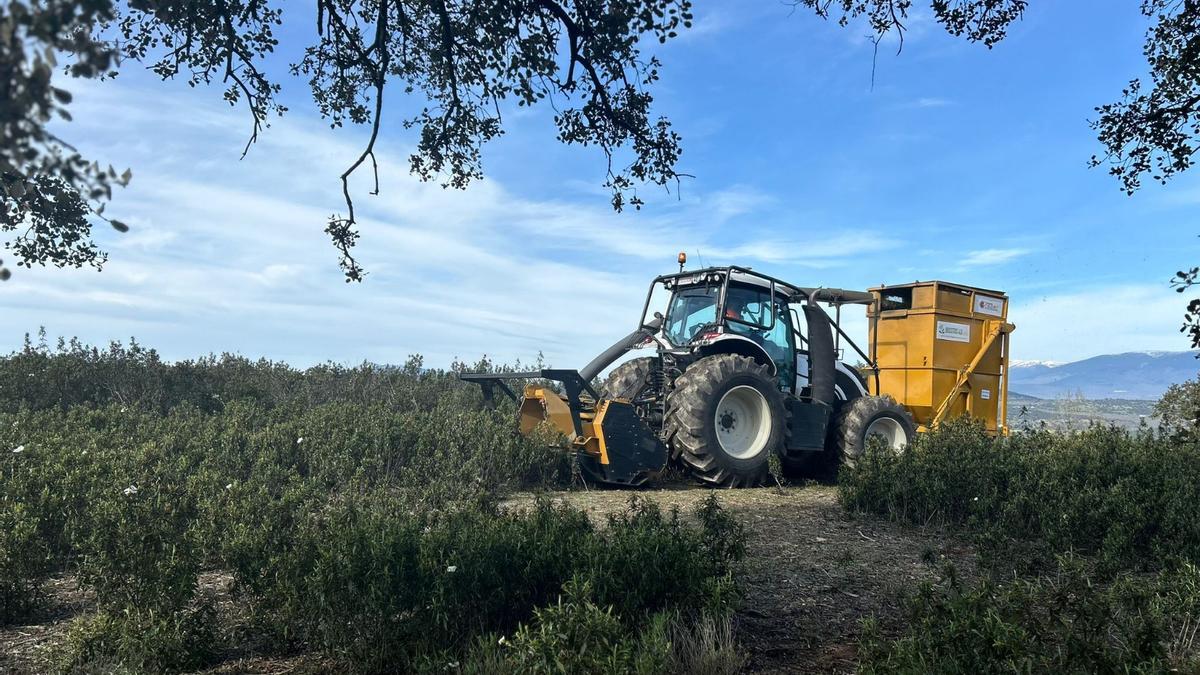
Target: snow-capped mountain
(1133, 375)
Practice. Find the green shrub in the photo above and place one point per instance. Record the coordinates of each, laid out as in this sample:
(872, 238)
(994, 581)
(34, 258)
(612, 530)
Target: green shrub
(575, 635)
(372, 583)
(139, 551)
(1063, 622)
(1133, 499)
(646, 560)
(139, 641)
(24, 561)
(41, 377)
(357, 508)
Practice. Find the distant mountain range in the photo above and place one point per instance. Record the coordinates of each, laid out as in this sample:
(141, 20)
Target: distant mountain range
(1130, 376)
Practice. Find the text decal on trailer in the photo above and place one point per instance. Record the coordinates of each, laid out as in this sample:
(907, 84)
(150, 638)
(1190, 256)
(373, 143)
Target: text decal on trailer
(954, 332)
(989, 305)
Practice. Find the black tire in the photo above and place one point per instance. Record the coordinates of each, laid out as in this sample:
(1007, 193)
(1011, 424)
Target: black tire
(860, 415)
(629, 379)
(692, 425)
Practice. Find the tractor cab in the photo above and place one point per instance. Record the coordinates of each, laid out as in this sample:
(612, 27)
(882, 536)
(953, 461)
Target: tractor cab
(736, 310)
(700, 315)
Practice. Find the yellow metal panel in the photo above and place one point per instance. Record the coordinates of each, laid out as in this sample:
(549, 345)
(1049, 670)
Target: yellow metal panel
(598, 426)
(950, 299)
(945, 350)
(545, 405)
(541, 404)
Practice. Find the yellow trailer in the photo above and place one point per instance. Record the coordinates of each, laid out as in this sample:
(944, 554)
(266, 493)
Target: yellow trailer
(941, 350)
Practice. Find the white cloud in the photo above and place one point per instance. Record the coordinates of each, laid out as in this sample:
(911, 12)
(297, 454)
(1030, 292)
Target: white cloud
(1106, 320)
(230, 255)
(993, 256)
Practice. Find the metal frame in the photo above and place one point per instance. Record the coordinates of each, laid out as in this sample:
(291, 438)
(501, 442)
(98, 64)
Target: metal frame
(570, 379)
(796, 293)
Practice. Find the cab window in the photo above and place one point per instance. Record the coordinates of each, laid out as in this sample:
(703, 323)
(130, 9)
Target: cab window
(690, 310)
(765, 322)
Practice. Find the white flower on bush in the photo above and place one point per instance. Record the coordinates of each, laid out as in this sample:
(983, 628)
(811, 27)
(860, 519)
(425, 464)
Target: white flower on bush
(299, 440)
(18, 450)
(452, 569)
(229, 486)
(131, 490)
(974, 499)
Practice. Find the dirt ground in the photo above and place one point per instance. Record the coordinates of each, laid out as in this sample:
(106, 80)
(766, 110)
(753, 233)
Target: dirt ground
(813, 572)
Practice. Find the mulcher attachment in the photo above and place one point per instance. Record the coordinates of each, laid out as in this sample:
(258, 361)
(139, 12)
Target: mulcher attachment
(612, 443)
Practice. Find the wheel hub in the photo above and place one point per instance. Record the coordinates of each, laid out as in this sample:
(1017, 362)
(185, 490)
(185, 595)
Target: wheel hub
(889, 431)
(743, 422)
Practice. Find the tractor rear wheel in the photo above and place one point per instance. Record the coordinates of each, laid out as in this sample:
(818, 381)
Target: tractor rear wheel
(873, 417)
(724, 419)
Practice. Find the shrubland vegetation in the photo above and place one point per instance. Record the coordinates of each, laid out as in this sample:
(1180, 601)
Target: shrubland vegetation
(358, 511)
(359, 514)
(1089, 540)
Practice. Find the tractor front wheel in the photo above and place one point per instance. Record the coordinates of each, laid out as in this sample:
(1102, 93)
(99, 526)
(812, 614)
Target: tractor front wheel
(638, 380)
(630, 379)
(724, 419)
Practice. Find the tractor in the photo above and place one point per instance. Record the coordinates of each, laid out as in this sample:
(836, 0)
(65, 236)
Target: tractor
(743, 365)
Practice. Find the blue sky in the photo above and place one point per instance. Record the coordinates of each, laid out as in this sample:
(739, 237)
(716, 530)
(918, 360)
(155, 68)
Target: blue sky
(961, 163)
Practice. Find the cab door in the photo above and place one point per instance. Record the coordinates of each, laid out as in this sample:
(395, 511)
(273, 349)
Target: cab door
(768, 323)
(798, 339)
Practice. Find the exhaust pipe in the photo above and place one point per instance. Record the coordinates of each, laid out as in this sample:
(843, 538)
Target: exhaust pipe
(821, 355)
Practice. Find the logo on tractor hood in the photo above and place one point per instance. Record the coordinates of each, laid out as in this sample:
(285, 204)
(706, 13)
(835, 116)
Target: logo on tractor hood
(954, 332)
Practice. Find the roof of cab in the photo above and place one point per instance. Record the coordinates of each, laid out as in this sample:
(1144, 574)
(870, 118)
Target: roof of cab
(837, 296)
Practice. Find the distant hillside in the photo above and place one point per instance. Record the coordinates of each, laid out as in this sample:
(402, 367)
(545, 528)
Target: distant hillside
(1072, 412)
(1133, 375)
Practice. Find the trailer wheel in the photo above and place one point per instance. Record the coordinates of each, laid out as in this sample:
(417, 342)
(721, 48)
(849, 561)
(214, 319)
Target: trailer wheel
(724, 419)
(873, 417)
